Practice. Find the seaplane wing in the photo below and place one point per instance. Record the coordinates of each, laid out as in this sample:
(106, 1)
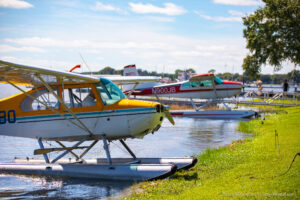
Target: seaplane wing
(123, 80)
(27, 75)
(202, 77)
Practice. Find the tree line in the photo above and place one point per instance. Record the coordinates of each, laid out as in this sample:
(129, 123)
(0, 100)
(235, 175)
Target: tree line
(293, 76)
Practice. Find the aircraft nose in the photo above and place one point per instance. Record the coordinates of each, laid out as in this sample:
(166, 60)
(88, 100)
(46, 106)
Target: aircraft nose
(165, 110)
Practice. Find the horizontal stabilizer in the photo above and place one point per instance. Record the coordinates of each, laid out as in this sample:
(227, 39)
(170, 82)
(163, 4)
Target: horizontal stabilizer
(48, 150)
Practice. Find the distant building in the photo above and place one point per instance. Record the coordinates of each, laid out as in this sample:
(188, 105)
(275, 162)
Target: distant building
(166, 80)
(183, 76)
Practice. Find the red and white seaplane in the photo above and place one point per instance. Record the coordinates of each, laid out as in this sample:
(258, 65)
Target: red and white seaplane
(201, 86)
(63, 106)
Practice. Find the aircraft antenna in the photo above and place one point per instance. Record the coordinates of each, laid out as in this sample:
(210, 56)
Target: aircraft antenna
(86, 64)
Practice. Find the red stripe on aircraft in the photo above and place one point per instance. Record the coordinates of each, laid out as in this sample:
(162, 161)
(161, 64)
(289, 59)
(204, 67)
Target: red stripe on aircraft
(231, 82)
(204, 74)
(128, 66)
(182, 114)
(174, 89)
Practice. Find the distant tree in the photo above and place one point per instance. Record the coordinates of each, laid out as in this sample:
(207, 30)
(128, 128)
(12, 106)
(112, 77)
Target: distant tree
(266, 78)
(227, 76)
(273, 35)
(146, 73)
(212, 71)
(176, 72)
(279, 78)
(294, 75)
(109, 70)
(190, 70)
(237, 77)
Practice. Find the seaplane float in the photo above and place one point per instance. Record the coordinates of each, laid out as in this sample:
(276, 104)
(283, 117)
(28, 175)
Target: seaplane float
(200, 86)
(69, 107)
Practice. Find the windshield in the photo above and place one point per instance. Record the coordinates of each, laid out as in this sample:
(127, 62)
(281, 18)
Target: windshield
(218, 80)
(109, 92)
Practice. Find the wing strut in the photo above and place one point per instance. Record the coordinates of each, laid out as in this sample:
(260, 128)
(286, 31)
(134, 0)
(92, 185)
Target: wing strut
(214, 86)
(132, 89)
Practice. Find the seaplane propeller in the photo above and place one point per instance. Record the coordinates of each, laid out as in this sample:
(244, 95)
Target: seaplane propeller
(165, 109)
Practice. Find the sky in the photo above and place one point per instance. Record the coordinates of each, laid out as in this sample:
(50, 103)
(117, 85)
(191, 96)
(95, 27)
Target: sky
(156, 35)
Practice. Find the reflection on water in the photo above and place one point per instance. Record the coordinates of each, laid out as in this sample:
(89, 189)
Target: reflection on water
(188, 137)
(18, 186)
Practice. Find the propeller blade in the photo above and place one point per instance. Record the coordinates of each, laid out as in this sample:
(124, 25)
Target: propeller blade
(168, 115)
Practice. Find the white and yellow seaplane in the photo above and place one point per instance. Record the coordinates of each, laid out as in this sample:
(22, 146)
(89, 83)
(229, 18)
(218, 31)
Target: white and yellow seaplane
(64, 106)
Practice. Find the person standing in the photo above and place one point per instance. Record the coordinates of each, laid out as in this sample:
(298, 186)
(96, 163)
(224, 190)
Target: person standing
(285, 86)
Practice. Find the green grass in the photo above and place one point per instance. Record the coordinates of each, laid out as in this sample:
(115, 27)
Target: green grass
(285, 101)
(245, 169)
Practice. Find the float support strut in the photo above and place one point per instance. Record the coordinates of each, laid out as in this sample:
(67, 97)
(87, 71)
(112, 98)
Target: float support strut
(128, 149)
(105, 146)
(66, 152)
(42, 147)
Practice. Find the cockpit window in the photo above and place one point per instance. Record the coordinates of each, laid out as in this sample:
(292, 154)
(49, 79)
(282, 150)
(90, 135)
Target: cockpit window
(194, 84)
(109, 92)
(43, 100)
(185, 85)
(205, 83)
(218, 80)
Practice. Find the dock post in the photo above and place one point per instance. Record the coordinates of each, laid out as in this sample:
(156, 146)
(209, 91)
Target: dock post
(42, 147)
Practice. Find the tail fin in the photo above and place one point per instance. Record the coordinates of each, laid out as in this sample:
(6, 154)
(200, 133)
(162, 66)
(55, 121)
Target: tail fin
(130, 70)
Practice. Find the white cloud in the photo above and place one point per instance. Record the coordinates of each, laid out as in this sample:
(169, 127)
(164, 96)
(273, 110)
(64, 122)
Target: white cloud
(233, 18)
(169, 9)
(235, 13)
(161, 19)
(147, 50)
(43, 63)
(239, 2)
(48, 42)
(106, 7)
(17, 4)
(94, 44)
(7, 48)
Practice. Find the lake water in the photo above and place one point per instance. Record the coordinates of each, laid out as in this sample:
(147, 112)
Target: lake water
(188, 137)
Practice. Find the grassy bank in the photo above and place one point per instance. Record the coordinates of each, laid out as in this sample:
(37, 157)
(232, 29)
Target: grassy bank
(248, 168)
(283, 101)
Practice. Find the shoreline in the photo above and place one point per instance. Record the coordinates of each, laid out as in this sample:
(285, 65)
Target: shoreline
(246, 168)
